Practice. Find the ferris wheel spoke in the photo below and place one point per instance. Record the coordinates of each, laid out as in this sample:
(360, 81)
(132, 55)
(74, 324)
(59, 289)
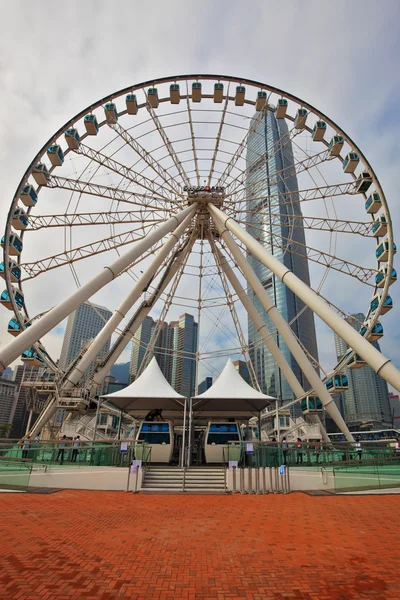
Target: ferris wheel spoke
(147, 158)
(218, 139)
(168, 145)
(127, 173)
(104, 218)
(68, 257)
(190, 120)
(363, 229)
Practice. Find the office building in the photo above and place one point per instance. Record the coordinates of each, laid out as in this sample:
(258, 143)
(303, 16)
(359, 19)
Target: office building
(8, 404)
(272, 200)
(204, 385)
(140, 341)
(83, 325)
(21, 413)
(395, 410)
(367, 399)
(243, 370)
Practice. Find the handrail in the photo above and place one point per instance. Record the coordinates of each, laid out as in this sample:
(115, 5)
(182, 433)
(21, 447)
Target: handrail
(184, 479)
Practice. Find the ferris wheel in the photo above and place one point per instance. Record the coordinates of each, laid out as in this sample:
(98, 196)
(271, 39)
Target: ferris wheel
(209, 195)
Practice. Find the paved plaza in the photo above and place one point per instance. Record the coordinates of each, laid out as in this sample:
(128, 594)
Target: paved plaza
(83, 545)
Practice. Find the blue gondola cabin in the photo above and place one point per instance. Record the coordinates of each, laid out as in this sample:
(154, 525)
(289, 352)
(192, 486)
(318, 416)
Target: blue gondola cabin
(110, 111)
(18, 297)
(20, 219)
(387, 304)
(336, 145)
(218, 92)
(55, 155)
(41, 174)
(14, 244)
(281, 108)
(15, 271)
(174, 94)
(28, 195)
(152, 97)
(131, 104)
(381, 276)
(73, 138)
(91, 124)
(319, 131)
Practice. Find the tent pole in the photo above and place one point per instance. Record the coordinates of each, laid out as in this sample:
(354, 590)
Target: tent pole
(190, 433)
(183, 436)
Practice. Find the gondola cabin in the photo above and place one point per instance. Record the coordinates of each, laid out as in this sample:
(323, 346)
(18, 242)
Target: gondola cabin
(301, 118)
(281, 108)
(350, 162)
(32, 357)
(159, 438)
(379, 227)
(218, 92)
(373, 204)
(382, 251)
(5, 299)
(355, 362)
(14, 244)
(311, 404)
(375, 334)
(239, 97)
(131, 104)
(261, 100)
(174, 94)
(91, 124)
(336, 145)
(28, 196)
(72, 138)
(381, 276)
(110, 111)
(364, 182)
(152, 97)
(319, 131)
(196, 91)
(219, 442)
(40, 174)
(14, 327)
(387, 304)
(337, 383)
(55, 155)
(20, 219)
(15, 271)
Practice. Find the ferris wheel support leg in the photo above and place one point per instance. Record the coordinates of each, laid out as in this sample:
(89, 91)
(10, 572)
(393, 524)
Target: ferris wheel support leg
(109, 328)
(52, 318)
(131, 328)
(284, 330)
(48, 412)
(379, 363)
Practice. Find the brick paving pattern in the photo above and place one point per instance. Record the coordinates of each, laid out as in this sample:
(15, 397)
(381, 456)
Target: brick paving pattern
(78, 545)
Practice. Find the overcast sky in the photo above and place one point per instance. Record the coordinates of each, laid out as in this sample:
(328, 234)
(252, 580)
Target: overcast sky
(340, 56)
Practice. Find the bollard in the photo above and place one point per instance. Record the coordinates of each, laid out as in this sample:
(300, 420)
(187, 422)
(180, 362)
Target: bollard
(270, 479)
(277, 486)
(242, 490)
(288, 479)
(234, 481)
(250, 480)
(264, 480)
(257, 480)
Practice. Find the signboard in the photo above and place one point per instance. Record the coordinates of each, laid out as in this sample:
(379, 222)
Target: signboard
(233, 464)
(282, 470)
(135, 465)
(249, 448)
(124, 447)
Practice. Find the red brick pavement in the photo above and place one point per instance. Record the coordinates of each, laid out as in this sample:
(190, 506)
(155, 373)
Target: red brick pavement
(77, 545)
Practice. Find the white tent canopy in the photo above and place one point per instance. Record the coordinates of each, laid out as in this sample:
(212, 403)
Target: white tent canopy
(150, 390)
(231, 394)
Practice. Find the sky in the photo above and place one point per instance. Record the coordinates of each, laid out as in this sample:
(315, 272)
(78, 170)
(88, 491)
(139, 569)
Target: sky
(340, 56)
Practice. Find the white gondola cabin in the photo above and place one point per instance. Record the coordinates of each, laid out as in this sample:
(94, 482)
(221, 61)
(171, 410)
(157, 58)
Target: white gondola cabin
(379, 227)
(18, 297)
(152, 97)
(311, 404)
(301, 118)
(219, 442)
(355, 362)
(131, 104)
(373, 204)
(159, 438)
(14, 244)
(319, 131)
(239, 97)
(364, 182)
(218, 92)
(91, 124)
(261, 100)
(32, 357)
(381, 276)
(28, 195)
(336, 145)
(72, 138)
(387, 303)
(196, 91)
(15, 271)
(281, 108)
(14, 327)
(382, 251)
(350, 162)
(55, 155)
(41, 174)
(376, 332)
(337, 383)
(110, 111)
(174, 94)
(20, 219)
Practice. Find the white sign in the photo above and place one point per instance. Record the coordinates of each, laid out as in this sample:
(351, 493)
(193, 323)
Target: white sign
(135, 465)
(124, 447)
(249, 448)
(233, 464)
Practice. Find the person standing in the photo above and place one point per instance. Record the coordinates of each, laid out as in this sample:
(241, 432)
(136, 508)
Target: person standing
(26, 444)
(61, 449)
(299, 451)
(75, 448)
(317, 450)
(284, 447)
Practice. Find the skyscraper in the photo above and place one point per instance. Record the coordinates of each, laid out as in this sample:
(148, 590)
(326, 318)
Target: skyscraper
(242, 369)
(83, 325)
(270, 176)
(367, 398)
(140, 341)
(21, 413)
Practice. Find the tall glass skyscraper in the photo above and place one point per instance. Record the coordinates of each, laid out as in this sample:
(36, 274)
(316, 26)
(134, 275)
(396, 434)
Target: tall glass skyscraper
(270, 176)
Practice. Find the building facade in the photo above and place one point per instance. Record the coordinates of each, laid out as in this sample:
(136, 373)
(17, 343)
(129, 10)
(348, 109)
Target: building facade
(8, 404)
(367, 399)
(273, 206)
(83, 325)
(21, 413)
(204, 385)
(243, 370)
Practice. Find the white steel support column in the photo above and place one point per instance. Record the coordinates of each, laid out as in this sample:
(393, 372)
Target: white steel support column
(284, 329)
(52, 318)
(106, 332)
(381, 365)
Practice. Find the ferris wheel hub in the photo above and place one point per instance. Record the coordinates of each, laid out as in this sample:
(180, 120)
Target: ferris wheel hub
(205, 194)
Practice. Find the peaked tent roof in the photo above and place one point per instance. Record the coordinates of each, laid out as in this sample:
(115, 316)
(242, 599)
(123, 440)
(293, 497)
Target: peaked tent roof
(150, 390)
(230, 393)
